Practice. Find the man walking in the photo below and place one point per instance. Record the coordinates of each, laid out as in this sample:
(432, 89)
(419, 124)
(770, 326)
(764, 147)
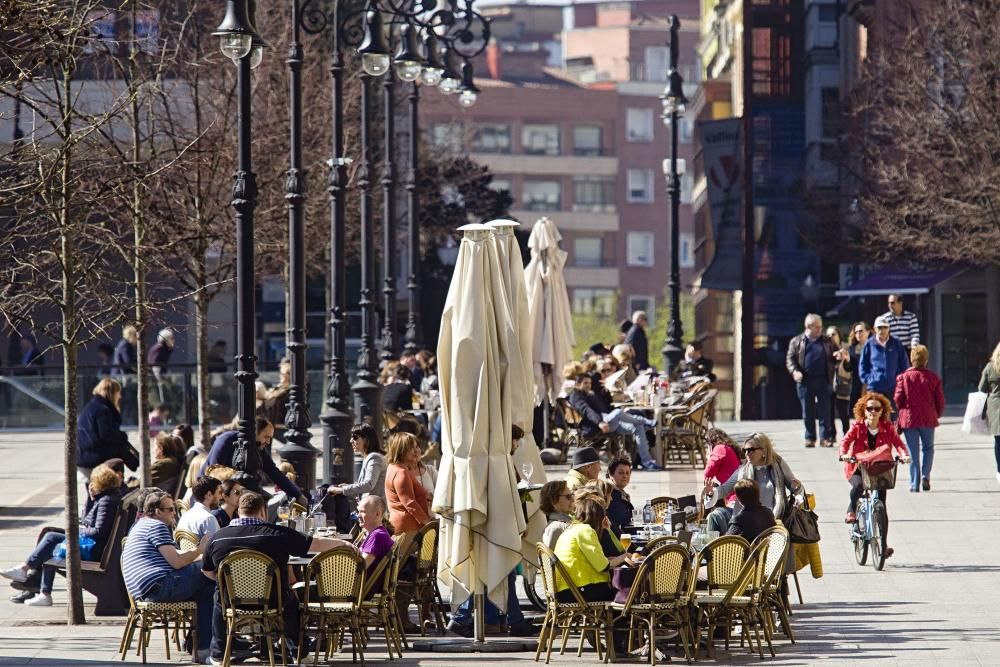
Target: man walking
(810, 360)
(903, 325)
(636, 337)
(883, 359)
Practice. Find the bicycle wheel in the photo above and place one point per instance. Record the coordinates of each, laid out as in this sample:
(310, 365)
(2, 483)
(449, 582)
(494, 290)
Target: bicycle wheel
(858, 534)
(533, 590)
(879, 518)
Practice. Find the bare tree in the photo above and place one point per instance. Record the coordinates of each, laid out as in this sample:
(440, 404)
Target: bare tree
(930, 140)
(60, 277)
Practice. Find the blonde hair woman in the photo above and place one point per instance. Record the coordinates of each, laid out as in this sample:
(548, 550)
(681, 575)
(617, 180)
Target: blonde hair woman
(770, 471)
(989, 384)
(408, 502)
(99, 432)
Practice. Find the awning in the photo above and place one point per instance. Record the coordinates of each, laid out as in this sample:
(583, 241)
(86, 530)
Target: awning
(896, 281)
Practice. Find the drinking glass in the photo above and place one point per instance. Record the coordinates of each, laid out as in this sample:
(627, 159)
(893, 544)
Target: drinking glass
(283, 511)
(626, 541)
(526, 470)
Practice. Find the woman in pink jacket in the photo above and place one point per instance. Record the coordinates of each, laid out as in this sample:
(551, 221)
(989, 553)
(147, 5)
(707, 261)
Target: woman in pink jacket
(920, 400)
(723, 460)
(871, 429)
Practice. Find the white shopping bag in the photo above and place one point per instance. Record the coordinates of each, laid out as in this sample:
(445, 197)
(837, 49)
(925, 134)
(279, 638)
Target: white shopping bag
(974, 422)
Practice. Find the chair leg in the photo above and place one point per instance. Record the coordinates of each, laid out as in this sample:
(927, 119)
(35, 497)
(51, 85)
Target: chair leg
(798, 589)
(128, 633)
(166, 636)
(194, 633)
(542, 635)
(228, 655)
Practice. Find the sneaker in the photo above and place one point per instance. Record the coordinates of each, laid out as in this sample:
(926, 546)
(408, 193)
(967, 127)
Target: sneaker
(460, 630)
(851, 518)
(889, 551)
(40, 600)
(925, 484)
(812, 443)
(20, 575)
(22, 597)
(31, 584)
(826, 443)
(650, 467)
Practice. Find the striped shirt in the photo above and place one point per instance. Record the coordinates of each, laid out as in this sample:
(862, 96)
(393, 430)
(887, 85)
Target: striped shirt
(904, 328)
(143, 566)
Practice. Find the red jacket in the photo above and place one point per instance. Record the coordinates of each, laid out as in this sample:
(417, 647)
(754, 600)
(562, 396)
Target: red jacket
(856, 441)
(920, 398)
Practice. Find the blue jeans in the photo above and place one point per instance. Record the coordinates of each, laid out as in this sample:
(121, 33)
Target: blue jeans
(816, 404)
(42, 552)
(463, 615)
(914, 438)
(635, 425)
(719, 519)
(996, 450)
(188, 583)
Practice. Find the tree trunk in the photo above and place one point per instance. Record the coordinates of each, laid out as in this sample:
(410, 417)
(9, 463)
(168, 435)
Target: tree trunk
(201, 338)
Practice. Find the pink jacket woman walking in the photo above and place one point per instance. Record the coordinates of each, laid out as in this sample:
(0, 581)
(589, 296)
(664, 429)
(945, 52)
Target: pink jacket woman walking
(920, 399)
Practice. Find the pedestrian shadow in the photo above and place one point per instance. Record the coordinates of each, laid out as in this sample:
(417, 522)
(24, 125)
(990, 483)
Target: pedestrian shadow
(941, 568)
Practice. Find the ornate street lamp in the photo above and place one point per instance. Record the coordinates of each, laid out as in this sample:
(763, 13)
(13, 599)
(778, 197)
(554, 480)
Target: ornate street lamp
(673, 105)
(237, 38)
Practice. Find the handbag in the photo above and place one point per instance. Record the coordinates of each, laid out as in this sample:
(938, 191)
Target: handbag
(87, 545)
(975, 421)
(802, 525)
(876, 461)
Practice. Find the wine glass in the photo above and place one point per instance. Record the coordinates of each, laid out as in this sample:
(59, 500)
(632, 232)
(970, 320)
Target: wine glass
(526, 470)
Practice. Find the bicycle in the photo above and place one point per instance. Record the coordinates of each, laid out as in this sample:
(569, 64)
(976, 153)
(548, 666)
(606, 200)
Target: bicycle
(868, 531)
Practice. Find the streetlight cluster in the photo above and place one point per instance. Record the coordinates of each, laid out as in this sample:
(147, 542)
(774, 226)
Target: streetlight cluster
(431, 38)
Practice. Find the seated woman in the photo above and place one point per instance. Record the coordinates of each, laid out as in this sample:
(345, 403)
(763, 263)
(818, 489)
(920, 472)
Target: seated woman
(723, 460)
(871, 429)
(556, 501)
(772, 474)
(600, 490)
(371, 480)
(579, 550)
(31, 577)
(425, 471)
(397, 396)
(168, 458)
(409, 504)
(620, 506)
(226, 511)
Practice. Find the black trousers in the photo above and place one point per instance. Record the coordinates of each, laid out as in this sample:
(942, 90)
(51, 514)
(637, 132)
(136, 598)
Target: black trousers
(857, 489)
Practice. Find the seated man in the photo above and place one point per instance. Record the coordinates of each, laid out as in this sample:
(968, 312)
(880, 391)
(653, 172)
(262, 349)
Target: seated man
(599, 417)
(693, 364)
(754, 518)
(155, 571)
(199, 520)
(251, 531)
(586, 467)
(225, 446)
(378, 541)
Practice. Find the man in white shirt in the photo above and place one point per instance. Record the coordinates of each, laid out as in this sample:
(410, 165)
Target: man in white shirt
(207, 492)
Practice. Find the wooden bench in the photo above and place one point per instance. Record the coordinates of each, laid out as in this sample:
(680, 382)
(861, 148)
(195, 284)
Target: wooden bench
(103, 578)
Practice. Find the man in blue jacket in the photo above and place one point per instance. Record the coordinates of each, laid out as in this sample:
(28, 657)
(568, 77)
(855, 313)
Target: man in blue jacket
(883, 359)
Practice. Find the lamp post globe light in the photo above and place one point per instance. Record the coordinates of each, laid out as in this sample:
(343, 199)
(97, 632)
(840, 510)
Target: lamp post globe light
(237, 35)
(673, 105)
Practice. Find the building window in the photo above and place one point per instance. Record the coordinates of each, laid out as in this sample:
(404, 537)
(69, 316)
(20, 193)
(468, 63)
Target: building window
(639, 249)
(540, 139)
(102, 31)
(593, 193)
(830, 102)
(491, 138)
(657, 63)
(588, 251)
(587, 140)
(687, 188)
(685, 130)
(593, 301)
(541, 195)
(640, 186)
(501, 184)
(827, 13)
(147, 30)
(447, 135)
(686, 250)
(644, 303)
(638, 124)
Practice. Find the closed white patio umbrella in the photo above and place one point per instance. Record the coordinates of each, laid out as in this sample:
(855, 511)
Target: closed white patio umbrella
(476, 496)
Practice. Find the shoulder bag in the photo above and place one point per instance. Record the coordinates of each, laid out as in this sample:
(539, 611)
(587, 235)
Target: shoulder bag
(802, 524)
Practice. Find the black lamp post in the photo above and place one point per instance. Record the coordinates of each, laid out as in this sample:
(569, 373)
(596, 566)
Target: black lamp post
(238, 43)
(297, 450)
(388, 351)
(673, 105)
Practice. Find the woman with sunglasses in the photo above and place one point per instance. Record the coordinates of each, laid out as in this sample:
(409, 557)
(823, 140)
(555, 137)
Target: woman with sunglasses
(872, 428)
(770, 471)
(849, 362)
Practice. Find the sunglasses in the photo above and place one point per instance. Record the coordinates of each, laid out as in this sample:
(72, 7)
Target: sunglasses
(873, 408)
(750, 450)
(168, 509)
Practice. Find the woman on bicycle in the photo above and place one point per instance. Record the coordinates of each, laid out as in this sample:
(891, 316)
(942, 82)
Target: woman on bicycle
(872, 428)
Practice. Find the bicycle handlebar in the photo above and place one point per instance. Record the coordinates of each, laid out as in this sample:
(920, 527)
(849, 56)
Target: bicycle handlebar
(852, 459)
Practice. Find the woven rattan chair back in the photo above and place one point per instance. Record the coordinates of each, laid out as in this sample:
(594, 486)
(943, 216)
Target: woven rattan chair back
(660, 505)
(181, 507)
(247, 579)
(656, 543)
(671, 567)
(776, 555)
(427, 539)
(337, 574)
(186, 540)
(547, 568)
(726, 556)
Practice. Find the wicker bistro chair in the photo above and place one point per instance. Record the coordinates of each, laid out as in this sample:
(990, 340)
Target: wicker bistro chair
(426, 593)
(186, 540)
(685, 433)
(250, 593)
(724, 557)
(739, 602)
(775, 560)
(148, 616)
(656, 543)
(569, 616)
(660, 505)
(333, 581)
(660, 598)
(378, 603)
(181, 507)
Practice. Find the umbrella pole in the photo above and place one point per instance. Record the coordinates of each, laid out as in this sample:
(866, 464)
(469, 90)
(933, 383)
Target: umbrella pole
(479, 620)
(546, 408)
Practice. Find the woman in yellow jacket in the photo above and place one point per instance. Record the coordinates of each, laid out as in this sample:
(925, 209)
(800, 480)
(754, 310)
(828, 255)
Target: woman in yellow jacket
(579, 550)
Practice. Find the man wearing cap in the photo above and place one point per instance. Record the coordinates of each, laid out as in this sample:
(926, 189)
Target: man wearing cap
(159, 354)
(903, 324)
(586, 468)
(810, 361)
(883, 359)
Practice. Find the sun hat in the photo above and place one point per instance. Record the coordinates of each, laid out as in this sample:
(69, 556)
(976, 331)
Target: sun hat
(584, 457)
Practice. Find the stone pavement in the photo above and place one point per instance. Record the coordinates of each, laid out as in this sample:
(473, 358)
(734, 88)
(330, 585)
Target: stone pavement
(931, 605)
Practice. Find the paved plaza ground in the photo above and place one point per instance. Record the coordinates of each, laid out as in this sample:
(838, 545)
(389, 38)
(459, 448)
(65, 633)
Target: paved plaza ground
(935, 603)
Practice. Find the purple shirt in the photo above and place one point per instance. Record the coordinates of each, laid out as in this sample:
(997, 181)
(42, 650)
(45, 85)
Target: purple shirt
(378, 544)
